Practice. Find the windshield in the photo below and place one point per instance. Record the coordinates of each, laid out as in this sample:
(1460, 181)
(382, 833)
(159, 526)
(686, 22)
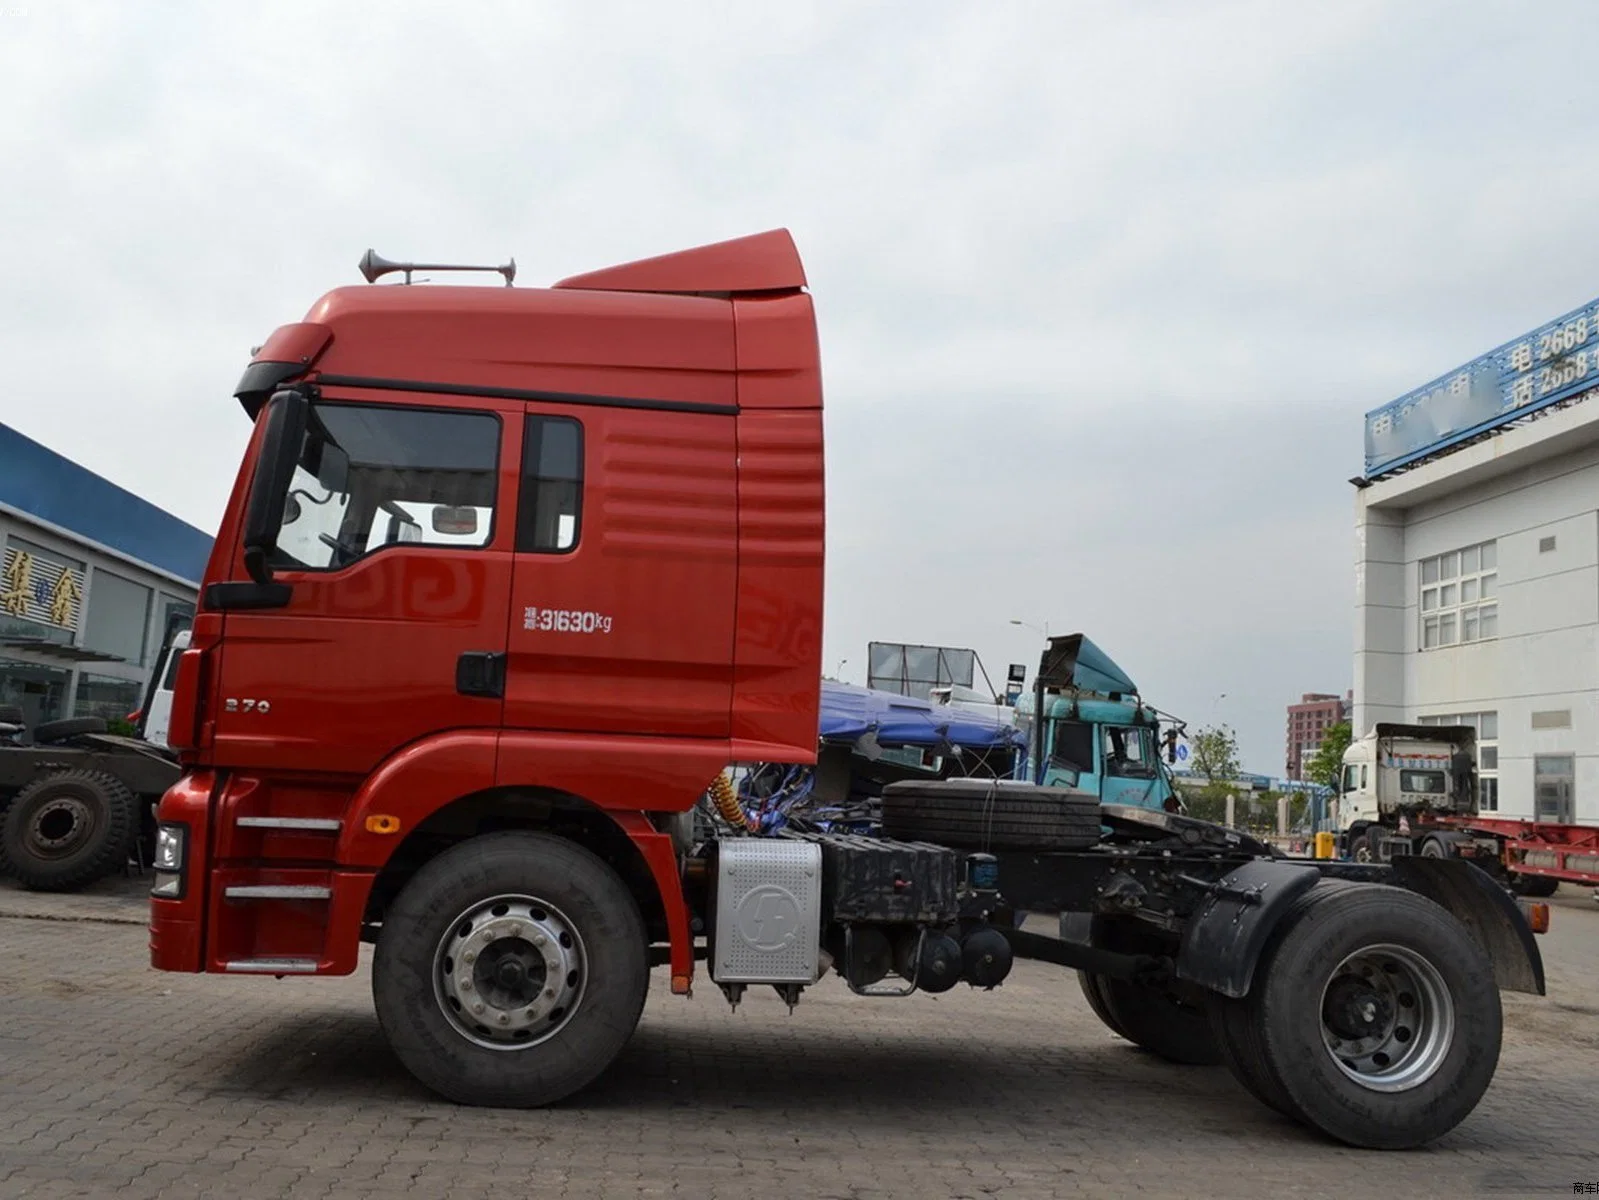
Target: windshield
(1129, 752)
(1429, 783)
(370, 476)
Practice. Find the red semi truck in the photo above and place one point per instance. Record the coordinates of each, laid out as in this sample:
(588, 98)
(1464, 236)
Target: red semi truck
(511, 576)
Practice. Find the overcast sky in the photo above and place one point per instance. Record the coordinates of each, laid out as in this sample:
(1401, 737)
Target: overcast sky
(1104, 289)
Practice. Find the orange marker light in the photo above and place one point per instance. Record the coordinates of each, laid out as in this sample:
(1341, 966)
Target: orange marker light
(382, 823)
(1537, 916)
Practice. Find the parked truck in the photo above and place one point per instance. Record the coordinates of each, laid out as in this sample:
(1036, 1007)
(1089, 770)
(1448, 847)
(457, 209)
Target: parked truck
(77, 802)
(1411, 791)
(485, 737)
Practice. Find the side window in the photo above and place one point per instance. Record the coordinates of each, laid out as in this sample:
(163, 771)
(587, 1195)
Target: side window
(1074, 746)
(371, 476)
(1351, 778)
(550, 510)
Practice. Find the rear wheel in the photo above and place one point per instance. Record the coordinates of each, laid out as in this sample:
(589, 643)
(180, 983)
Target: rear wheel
(511, 970)
(67, 830)
(1169, 1021)
(1094, 992)
(1360, 849)
(1373, 1013)
(1434, 848)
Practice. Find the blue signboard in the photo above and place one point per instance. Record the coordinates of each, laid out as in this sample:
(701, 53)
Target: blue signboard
(1552, 363)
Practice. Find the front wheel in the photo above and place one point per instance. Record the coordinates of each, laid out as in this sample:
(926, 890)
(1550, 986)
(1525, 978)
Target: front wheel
(1374, 1017)
(511, 970)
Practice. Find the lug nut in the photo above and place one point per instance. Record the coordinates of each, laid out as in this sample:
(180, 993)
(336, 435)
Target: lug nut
(466, 985)
(477, 1008)
(504, 1019)
(549, 994)
(469, 957)
(539, 939)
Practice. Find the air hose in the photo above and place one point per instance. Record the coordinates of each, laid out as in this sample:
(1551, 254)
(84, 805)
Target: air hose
(726, 800)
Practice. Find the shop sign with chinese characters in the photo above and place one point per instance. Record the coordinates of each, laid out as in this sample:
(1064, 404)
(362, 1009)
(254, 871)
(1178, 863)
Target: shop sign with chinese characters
(38, 589)
(1553, 363)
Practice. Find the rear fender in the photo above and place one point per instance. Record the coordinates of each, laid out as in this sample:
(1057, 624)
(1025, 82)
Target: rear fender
(1224, 939)
(1478, 902)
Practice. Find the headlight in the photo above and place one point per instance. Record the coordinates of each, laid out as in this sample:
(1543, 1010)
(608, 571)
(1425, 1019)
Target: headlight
(169, 847)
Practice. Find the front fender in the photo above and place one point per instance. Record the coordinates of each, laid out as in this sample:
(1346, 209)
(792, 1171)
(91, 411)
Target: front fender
(1224, 939)
(411, 786)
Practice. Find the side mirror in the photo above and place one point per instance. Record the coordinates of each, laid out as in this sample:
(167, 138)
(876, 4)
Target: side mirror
(460, 521)
(269, 493)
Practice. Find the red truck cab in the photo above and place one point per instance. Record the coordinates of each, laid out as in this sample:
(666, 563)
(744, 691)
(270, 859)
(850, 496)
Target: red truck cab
(507, 576)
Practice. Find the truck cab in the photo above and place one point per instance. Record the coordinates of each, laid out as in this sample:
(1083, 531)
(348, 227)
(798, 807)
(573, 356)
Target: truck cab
(1397, 774)
(1098, 736)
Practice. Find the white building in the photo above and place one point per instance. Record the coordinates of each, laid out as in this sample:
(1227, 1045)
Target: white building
(1477, 573)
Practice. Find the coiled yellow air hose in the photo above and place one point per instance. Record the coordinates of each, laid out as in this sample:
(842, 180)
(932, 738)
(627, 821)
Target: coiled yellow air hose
(726, 800)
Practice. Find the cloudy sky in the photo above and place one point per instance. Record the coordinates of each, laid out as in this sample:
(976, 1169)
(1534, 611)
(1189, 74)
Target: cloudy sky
(1105, 289)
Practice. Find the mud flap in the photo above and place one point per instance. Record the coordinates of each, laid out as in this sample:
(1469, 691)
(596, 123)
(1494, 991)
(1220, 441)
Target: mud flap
(1225, 937)
(1489, 913)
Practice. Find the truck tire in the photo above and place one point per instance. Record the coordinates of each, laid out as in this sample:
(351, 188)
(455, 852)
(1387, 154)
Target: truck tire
(1163, 1020)
(511, 970)
(1435, 848)
(1094, 992)
(66, 830)
(53, 732)
(1360, 849)
(1376, 1014)
(1239, 1036)
(978, 814)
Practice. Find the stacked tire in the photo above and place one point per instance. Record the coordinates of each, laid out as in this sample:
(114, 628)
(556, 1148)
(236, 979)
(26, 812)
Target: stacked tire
(988, 814)
(68, 829)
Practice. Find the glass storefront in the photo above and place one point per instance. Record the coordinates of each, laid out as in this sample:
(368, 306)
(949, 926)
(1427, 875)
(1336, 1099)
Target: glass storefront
(40, 692)
(103, 696)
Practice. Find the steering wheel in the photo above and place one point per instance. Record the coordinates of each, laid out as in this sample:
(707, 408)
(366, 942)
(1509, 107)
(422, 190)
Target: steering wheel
(346, 552)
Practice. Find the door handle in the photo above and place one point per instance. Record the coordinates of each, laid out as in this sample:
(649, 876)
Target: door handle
(481, 673)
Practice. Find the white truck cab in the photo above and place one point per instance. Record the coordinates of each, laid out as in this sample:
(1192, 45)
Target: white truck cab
(1399, 772)
(156, 717)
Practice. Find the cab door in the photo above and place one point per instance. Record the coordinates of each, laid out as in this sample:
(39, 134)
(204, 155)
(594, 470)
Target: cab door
(397, 544)
(625, 584)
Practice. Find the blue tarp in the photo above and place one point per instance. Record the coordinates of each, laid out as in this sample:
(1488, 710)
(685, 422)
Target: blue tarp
(850, 712)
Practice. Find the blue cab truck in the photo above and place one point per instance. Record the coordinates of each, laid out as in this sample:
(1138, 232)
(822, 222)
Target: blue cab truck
(1097, 736)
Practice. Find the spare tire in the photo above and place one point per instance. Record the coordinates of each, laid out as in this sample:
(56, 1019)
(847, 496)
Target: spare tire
(59, 731)
(990, 814)
(66, 830)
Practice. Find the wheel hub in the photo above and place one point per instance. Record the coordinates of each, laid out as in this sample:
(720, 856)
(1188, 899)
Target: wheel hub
(509, 972)
(1387, 1018)
(59, 825)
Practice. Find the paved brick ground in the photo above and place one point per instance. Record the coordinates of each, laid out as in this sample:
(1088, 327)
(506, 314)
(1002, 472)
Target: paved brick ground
(118, 1081)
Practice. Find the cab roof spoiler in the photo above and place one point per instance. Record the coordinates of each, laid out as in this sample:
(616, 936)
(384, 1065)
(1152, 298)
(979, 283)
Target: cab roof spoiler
(1456, 735)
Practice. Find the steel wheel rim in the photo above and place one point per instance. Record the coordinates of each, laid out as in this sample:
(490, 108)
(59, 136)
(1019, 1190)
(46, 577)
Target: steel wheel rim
(79, 825)
(1387, 1018)
(509, 972)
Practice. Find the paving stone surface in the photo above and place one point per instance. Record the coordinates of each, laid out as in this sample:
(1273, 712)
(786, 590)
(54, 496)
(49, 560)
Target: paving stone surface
(116, 1080)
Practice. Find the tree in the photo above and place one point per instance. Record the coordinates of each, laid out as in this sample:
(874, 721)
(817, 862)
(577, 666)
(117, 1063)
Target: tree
(1329, 757)
(1215, 754)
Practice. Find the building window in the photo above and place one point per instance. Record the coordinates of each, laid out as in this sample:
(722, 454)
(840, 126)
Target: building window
(1459, 596)
(102, 696)
(1486, 725)
(118, 623)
